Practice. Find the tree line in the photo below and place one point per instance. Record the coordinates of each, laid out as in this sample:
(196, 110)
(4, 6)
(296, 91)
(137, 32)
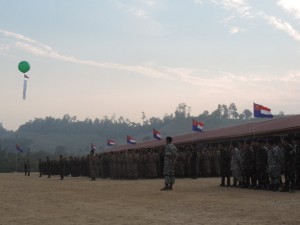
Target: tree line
(68, 135)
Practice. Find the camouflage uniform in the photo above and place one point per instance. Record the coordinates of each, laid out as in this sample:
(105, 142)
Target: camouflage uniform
(193, 162)
(49, 167)
(274, 166)
(224, 165)
(261, 166)
(247, 164)
(92, 164)
(289, 166)
(236, 166)
(179, 167)
(152, 173)
(61, 167)
(297, 152)
(169, 164)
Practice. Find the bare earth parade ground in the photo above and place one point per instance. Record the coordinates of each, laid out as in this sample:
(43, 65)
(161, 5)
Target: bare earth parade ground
(43, 201)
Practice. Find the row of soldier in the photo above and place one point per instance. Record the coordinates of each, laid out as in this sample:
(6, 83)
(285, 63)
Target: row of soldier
(252, 163)
(260, 163)
(191, 162)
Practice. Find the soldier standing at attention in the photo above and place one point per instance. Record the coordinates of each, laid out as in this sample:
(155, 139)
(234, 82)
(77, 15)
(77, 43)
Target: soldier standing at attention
(25, 168)
(296, 145)
(297, 152)
(40, 167)
(236, 165)
(28, 167)
(61, 167)
(289, 165)
(48, 167)
(92, 162)
(274, 164)
(225, 158)
(170, 155)
(261, 163)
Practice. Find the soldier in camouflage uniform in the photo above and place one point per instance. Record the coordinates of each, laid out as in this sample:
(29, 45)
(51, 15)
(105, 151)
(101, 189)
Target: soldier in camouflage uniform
(274, 155)
(92, 165)
(193, 163)
(179, 169)
(247, 163)
(224, 164)
(261, 163)
(49, 167)
(236, 165)
(61, 167)
(289, 165)
(170, 156)
(297, 152)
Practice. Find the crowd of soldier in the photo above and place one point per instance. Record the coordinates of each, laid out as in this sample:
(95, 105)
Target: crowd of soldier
(257, 163)
(133, 164)
(260, 163)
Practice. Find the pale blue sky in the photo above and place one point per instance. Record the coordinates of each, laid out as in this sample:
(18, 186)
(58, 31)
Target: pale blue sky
(112, 57)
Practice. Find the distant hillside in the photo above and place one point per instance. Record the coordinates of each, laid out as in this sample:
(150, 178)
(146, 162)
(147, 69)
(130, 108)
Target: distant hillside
(68, 135)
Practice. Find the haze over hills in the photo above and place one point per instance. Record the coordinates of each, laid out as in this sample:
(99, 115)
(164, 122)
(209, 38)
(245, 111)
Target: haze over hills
(71, 136)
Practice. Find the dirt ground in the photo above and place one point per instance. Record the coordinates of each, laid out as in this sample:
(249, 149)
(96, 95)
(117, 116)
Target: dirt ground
(44, 201)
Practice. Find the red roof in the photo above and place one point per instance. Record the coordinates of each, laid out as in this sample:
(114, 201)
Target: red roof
(278, 126)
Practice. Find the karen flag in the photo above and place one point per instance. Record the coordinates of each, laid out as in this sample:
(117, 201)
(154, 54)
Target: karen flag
(197, 126)
(156, 134)
(93, 147)
(110, 142)
(130, 140)
(18, 148)
(261, 111)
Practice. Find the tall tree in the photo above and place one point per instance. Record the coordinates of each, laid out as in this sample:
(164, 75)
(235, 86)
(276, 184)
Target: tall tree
(247, 114)
(233, 111)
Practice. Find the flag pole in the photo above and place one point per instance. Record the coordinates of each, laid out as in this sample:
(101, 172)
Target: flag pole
(253, 126)
(16, 154)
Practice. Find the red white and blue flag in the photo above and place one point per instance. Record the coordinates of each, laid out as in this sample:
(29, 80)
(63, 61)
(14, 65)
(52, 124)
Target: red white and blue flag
(156, 134)
(130, 140)
(93, 147)
(110, 142)
(18, 148)
(261, 111)
(197, 126)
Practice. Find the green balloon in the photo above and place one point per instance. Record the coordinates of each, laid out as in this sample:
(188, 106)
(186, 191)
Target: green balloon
(24, 66)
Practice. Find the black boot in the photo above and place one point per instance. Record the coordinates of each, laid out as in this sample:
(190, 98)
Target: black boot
(228, 182)
(165, 188)
(222, 182)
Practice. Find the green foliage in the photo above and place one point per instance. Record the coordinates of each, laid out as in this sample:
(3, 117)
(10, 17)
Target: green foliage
(69, 136)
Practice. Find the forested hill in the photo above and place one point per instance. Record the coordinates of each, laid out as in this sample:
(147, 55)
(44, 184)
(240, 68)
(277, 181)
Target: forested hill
(69, 135)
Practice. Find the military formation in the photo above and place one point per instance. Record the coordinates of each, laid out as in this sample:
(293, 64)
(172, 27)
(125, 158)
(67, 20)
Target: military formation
(262, 163)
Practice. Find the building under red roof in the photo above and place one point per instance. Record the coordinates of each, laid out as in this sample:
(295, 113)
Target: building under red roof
(279, 126)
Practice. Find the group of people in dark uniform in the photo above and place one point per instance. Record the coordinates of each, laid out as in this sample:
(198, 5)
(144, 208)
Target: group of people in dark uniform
(262, 163)
(257, 163)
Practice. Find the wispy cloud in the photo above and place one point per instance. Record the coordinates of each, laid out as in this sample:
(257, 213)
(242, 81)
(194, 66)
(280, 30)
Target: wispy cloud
(212, 84)
(235, 30)
(290, 6)
(4, 47)
(149, 2)
(283, 26)
(239, 6)
(198, 2)
(150, 26)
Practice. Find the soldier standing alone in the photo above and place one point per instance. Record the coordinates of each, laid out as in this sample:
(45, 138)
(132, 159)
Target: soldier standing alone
(170, 156)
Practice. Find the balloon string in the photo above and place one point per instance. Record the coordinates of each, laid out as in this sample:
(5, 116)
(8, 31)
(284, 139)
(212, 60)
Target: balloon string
(24, 89)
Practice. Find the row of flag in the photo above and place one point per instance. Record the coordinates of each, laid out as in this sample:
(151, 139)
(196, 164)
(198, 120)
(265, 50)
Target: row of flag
(259, 111)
